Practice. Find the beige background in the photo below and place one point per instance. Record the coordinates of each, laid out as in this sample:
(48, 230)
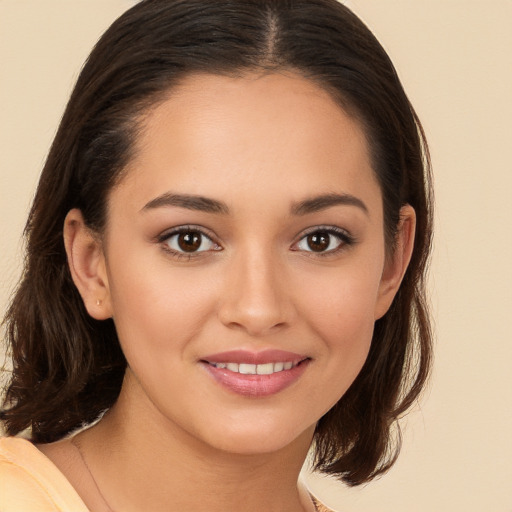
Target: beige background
(455, 59)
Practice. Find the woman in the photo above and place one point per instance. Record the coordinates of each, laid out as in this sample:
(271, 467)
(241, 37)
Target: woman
(225, 266)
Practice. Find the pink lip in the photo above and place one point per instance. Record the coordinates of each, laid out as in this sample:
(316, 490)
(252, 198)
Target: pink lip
(255, 385)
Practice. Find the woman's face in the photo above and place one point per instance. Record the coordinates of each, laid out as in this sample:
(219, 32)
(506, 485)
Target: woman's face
(246, 237)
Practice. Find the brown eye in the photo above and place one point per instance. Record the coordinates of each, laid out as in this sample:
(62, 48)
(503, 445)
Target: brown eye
(324, 241)
(319, 242)
(189, 241)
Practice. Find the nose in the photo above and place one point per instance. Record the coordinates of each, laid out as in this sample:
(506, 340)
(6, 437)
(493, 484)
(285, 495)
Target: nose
(255, 297)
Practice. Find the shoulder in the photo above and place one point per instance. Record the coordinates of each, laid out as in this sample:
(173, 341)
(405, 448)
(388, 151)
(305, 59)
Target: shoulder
(29, 481)
(320, 507)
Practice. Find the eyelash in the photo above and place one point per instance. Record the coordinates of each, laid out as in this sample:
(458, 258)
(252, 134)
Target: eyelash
(343, 236)
(165, 237)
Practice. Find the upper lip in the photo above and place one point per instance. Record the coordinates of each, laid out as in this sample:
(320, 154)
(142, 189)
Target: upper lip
(249, 357)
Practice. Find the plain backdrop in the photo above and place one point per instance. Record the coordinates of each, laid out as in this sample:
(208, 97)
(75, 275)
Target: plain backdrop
(455, 60)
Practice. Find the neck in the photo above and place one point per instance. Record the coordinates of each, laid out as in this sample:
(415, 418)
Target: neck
(142, 461)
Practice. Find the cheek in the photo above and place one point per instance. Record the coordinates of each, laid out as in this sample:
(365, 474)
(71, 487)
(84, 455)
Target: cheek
(156, 308)
(340, 310)
(343, 302)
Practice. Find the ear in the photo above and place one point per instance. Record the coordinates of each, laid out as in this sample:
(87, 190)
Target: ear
(86, 262)
(397, 262)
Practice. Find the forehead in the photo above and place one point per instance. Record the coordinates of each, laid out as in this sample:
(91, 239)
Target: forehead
(275, 131)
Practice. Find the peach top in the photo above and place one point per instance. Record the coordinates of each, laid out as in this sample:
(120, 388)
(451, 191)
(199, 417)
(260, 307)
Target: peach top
(30, 482)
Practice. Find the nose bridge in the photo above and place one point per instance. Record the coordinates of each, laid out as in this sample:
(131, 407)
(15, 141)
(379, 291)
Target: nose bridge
(254, 298)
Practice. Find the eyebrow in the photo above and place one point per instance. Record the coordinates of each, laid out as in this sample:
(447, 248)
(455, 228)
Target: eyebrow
(324, 201)
(188, 201)
(208, 205)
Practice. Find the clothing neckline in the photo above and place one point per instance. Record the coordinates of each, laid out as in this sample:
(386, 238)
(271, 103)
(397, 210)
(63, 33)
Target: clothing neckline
(23, 453)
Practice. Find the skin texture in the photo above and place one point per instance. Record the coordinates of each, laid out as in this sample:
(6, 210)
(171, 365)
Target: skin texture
(260, 144)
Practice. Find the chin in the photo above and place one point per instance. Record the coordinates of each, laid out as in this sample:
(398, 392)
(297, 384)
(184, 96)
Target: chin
(259, 438)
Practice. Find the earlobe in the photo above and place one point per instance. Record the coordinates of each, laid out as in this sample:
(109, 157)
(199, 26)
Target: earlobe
(397, 262)
(87, 265)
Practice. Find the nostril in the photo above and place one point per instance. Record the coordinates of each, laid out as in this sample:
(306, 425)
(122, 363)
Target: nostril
(252, 321)
(254, 305)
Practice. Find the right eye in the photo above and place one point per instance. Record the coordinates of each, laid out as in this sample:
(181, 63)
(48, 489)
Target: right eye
(187, 240)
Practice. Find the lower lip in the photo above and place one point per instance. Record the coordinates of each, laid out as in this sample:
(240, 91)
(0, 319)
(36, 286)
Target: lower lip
(256, 385)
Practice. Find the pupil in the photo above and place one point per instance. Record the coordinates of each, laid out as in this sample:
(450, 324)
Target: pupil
(189, 242)
(318, 241)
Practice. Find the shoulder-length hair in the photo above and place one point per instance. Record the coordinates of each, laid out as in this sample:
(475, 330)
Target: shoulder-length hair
(68, 368)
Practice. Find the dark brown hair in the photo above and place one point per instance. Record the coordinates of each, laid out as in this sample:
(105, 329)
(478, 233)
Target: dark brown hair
(68, 367)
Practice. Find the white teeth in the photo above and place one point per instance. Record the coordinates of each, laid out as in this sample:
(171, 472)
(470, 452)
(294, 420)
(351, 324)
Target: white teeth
(265, 369)
(247, 369)
(256, 369)
(233, 367)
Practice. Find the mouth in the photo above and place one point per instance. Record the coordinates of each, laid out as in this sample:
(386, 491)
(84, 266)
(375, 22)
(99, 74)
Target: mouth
(256, 374)
(257, 369)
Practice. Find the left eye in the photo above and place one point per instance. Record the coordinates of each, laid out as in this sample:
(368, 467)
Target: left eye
(190, 241)
(321, 241)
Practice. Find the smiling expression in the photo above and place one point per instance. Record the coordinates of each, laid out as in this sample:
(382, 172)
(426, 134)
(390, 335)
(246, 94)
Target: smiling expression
(244, 259)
